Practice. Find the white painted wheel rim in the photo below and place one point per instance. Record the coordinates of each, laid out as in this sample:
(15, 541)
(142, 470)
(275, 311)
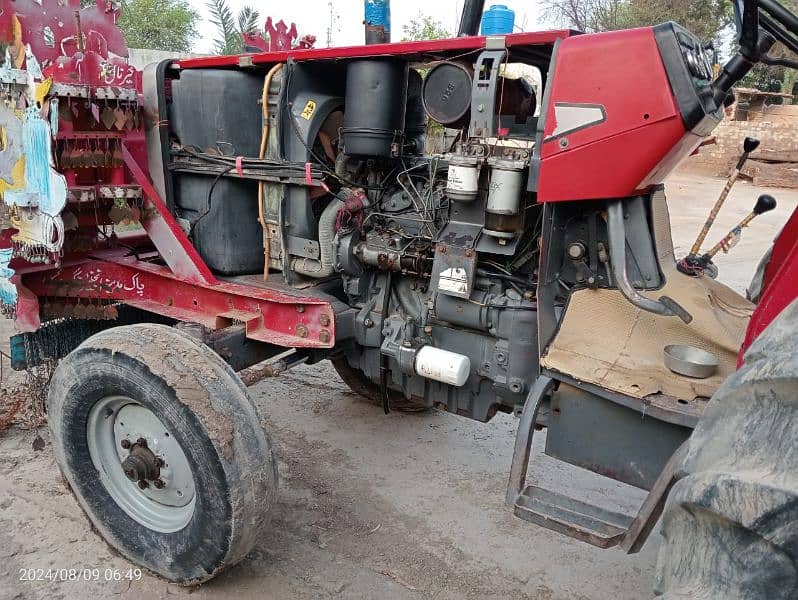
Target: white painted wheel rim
(116, 418)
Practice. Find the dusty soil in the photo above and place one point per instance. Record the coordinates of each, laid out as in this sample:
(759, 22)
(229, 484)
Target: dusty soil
(397, 506)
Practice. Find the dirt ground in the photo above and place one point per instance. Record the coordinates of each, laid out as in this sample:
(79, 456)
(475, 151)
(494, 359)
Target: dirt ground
(375, 506)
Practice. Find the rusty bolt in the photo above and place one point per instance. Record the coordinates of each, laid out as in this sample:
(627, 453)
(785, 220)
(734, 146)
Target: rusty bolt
(125, 444)
(469, 253)
(301, 330)
(428, 329)
(300, 308)
(142, 442)
(368, 323)
(143, 484)
(159, 484)
(324, 336)
(324, 319)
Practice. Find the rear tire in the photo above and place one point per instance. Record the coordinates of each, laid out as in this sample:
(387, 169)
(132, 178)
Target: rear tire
(197, 495)
(730, 526)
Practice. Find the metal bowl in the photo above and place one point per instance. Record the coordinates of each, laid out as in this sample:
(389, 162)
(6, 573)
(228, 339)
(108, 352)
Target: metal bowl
(690, 361)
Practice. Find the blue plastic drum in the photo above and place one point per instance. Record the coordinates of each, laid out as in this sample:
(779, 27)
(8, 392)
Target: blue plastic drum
(378, 12)
(498, 20)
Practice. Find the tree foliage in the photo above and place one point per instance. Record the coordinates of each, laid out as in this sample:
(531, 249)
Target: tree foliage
(705, 18)
(169, 25)
(424, 27)
(708, 19)
(230, 28)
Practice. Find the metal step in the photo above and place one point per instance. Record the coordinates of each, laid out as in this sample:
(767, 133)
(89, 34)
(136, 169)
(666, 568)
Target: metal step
(572, 517)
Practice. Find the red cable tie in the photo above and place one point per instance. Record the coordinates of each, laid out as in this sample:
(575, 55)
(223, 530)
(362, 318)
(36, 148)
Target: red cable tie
(240, 166)
(308, 178)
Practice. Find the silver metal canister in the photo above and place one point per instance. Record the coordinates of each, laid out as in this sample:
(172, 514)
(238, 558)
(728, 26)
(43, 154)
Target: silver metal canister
(462, 184)
(503, 218)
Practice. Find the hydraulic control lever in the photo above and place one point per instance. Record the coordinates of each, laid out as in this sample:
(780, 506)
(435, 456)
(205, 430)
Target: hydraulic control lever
(694, 263)
(764, 203)
(664, 306)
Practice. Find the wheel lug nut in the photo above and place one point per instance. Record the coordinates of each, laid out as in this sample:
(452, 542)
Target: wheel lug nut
(142, 442)
(143, 484)
(158, 462)
(126, 444)
(159, 483)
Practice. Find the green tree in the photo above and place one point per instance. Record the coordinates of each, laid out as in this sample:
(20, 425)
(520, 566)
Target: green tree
(424, 27)
(231, 29)
(706, 18)
(587, 15)
(169, 25)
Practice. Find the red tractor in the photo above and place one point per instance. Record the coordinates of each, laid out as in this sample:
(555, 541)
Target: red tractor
(174, 236)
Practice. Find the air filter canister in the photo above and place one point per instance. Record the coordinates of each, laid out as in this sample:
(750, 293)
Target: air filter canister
(447, 94)
(462, 183)
(503, 216)
(375, 106)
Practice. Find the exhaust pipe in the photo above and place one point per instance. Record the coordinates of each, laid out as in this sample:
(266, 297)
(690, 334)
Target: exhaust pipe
(471, 18)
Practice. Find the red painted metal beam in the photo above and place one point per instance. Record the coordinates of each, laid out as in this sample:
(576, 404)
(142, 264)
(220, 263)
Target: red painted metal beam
(451, 46)
(170, 240)
(270, 315)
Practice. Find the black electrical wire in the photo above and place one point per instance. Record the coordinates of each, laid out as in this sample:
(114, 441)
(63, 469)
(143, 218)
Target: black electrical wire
(265, 166)
(386, 301)
(208, 200)
(505, 276)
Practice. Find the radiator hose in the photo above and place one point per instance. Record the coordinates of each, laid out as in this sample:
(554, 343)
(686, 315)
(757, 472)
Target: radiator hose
(325, 266)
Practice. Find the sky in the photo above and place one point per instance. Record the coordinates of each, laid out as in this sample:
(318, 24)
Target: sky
(313, 17)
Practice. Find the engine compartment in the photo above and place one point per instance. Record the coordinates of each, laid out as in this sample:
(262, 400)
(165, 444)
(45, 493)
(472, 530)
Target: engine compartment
(397, 185)
(406, 187)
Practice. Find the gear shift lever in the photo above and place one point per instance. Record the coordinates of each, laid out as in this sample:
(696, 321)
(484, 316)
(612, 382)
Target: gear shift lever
(764, 204)
(693, 263)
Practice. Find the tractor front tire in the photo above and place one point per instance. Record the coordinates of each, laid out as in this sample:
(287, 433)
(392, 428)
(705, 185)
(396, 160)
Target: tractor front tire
(163, 450)
(730, 525)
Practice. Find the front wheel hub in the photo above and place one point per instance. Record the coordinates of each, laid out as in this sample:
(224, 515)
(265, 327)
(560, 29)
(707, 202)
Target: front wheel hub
(141, 464)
